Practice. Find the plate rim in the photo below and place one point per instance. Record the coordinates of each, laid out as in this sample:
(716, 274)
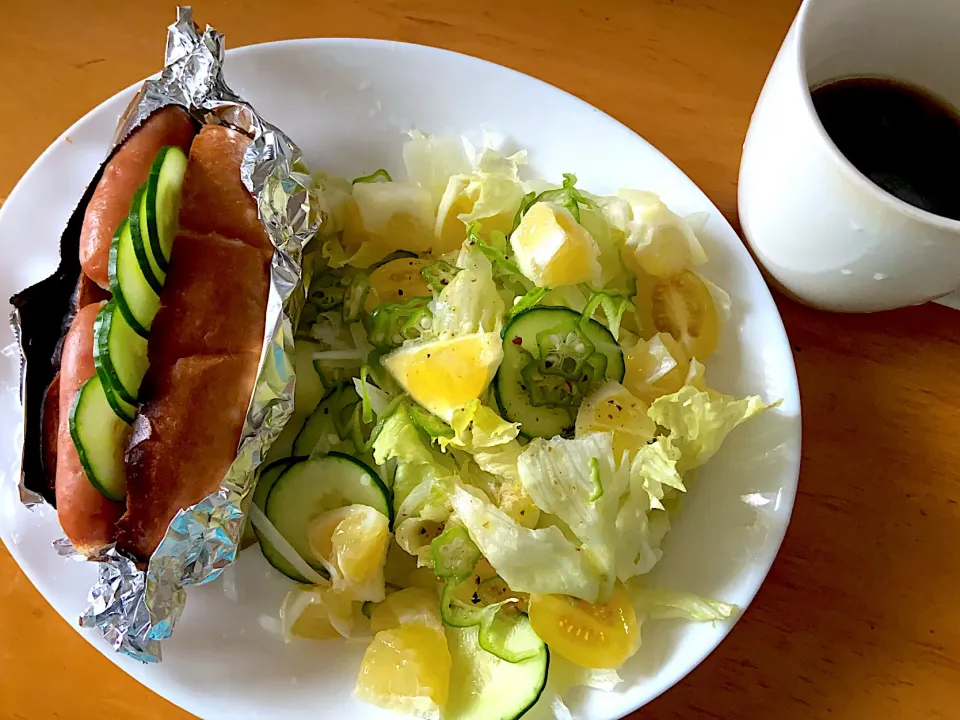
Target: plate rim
(790, 474)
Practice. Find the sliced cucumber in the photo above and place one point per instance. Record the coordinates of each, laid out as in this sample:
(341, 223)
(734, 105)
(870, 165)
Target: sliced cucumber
(163, 202)
(484, 687)
(282, 447)
(141, 242)
(314, 486)
(545, 400)
(136, 299)
(309, 386)
(121, 408)
(119, 353)
(268, 478)
(100, 437)
(330, 417)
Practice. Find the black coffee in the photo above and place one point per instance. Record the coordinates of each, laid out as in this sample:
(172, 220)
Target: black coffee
(903, 138)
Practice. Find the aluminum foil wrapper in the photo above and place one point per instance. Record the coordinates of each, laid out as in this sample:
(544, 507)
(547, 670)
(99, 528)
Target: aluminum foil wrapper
(134, 609)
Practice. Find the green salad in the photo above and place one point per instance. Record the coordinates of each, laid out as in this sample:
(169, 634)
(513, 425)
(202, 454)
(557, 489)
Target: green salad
(500, 400)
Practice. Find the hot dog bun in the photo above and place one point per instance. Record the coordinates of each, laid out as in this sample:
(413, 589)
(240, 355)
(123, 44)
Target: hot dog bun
(124, 173)
(215, 199)
(204, 346)
(86, 516)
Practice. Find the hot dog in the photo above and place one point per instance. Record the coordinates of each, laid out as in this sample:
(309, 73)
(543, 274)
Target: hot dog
(123, 174)
(86, 516)
(204, 347)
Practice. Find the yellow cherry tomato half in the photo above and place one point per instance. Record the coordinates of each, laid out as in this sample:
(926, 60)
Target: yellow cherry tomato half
(601, 635)
(655, 367)
(397, 280)
(683, 306)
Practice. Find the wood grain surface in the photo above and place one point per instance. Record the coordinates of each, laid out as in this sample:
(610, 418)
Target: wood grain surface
(859, 618)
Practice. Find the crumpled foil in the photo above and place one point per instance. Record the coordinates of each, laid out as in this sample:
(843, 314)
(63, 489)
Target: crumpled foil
(133, 609)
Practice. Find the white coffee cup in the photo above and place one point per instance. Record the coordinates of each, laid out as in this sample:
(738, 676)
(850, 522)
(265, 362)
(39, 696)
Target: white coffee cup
(822, 230)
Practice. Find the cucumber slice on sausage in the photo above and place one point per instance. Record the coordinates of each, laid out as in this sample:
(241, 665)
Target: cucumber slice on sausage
(100, 437)
(121, 408)
(552, 358)
(311, 487)
(119, 353)
(154, 274)
(162, 202)
(134, 296)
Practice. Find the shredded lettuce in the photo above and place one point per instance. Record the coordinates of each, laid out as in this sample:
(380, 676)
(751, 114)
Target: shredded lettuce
(477, 427)
(494, 191)
(638, 547)
(566, 196)
(400, 439)
(375, 401)
(494, 471)
(471, 302)
(495, 250)
(614, 306)
(409, 476)
(527, 301)
(642, 521)
(695, 375)
(666, 604)
(655, 466)
(397, 216)
(699, 421)
(577, 481)
(609, 238)
(500, 460)
(380, 175)
(431, 161)
(335, 198)
(540, 561)
(439, 274)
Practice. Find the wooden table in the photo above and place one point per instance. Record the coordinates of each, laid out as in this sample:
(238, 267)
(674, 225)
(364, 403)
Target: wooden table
(859, 618)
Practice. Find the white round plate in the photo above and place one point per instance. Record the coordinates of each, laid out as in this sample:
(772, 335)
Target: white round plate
(347, 103)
